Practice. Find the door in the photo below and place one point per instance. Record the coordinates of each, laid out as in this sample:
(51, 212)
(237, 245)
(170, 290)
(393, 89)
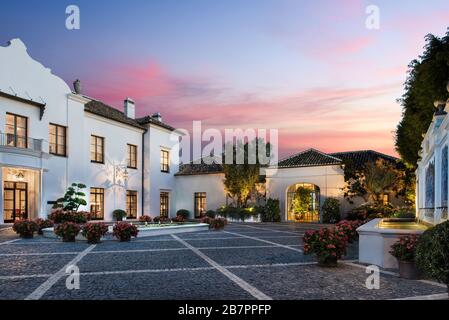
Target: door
(15, 204)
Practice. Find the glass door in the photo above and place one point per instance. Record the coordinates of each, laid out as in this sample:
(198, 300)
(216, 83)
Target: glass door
(15, 204)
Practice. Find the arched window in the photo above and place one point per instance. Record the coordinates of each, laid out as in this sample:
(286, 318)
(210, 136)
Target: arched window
(430, 186)
(303, 203)
(444, 176)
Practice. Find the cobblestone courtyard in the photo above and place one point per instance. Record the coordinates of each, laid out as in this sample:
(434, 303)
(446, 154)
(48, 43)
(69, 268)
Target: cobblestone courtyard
(263, 261)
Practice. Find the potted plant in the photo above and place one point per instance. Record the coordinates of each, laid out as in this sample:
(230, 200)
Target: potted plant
(94, 231)
(43, 224)
(218, 223)
(124, 231)
(328, 244)
(119, 214)
(178, 219)
(404, 250)
(25, 228)
(184, 213)
(67, 231)
(145, 219)
(432, 253)
(349, 228)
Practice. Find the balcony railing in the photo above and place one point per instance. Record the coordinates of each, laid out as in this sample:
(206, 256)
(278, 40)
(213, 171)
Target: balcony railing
(19, 142)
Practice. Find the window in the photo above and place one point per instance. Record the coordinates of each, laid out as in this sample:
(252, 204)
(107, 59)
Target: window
(97, 203)
(132, 156)
(131, 204)
(165, 158)
(96, 149)
(58, 140)
(200, 204)
(164, 202)
(16, 131)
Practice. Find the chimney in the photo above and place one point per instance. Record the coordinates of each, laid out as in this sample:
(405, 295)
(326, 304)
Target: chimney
(77, 86)
(157, 116)
(130, 108)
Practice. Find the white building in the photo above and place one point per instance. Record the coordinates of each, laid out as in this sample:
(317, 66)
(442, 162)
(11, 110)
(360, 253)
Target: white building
(432, 173)
(51, 137)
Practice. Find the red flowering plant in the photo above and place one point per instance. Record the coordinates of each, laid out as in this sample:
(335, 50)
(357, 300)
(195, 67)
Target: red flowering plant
(328, 244)
(43, 224)
(94, 231)
(124, 231)
(349, 228)
(60, 216)
(25, 228)
(145, 219)
(405, 248)
(161, 220)
(67, 231)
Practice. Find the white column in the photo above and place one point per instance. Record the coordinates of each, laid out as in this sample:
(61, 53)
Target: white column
(1, 196)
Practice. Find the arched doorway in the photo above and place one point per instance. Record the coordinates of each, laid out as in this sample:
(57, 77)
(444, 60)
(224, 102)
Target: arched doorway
(303, 203)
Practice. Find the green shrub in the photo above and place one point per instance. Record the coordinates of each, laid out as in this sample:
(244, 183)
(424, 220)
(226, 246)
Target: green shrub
(210, 214)
(241, 214)
(371, 211)
(270, 212)
(184, 213)
(73, 198)
(119, 214)
(432, 253)
(405, 213)
(331, 210)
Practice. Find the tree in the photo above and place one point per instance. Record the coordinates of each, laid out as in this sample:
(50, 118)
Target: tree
(302, 201)
(426, 83)
(374, 180)
(73, 198)
(241, 178)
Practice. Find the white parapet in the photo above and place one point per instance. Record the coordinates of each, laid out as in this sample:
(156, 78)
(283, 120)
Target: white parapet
(375, 243)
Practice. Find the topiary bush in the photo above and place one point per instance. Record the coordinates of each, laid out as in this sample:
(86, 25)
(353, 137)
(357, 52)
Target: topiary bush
(119, 214)
(184, 213)
(432, 253)
(331, 211)
(210, 214)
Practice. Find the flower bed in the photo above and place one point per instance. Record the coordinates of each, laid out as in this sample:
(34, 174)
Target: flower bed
(328, 244)
(61, 216)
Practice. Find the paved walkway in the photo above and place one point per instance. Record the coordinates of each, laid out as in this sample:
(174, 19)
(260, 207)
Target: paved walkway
(245, 261)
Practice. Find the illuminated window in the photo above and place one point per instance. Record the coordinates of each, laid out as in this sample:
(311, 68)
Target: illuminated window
(58, 140)
(16, 131)
(165, 161)
(131, 204)
(97, 203)
(96, 149)
(132, 156)
(164, 204)
(200, 204)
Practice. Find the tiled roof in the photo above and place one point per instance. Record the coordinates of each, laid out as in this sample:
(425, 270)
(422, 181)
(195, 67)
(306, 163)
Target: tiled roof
(309, 158)
(148, 119)
(192, 168)
(101, 109)
(360, 158)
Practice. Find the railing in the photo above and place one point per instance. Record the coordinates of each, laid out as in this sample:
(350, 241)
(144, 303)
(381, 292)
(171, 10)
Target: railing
(15, 141)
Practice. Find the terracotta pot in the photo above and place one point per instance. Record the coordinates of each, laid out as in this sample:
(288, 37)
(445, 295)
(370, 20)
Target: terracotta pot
(408, 270)
(327, 262)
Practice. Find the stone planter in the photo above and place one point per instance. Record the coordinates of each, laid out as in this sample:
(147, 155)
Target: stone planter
(327, 262)
(408, 270)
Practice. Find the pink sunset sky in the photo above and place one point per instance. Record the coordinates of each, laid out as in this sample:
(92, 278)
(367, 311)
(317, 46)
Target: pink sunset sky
(308, 68)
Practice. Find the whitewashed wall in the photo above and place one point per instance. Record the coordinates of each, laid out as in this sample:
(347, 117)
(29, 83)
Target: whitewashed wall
(212, 184)
(330, 180)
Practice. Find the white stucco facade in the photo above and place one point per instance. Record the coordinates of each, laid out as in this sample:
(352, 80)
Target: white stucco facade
(432, 173)
(31, 91)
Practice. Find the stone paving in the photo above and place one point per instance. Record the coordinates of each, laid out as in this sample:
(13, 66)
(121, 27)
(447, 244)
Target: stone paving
(243, 262)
